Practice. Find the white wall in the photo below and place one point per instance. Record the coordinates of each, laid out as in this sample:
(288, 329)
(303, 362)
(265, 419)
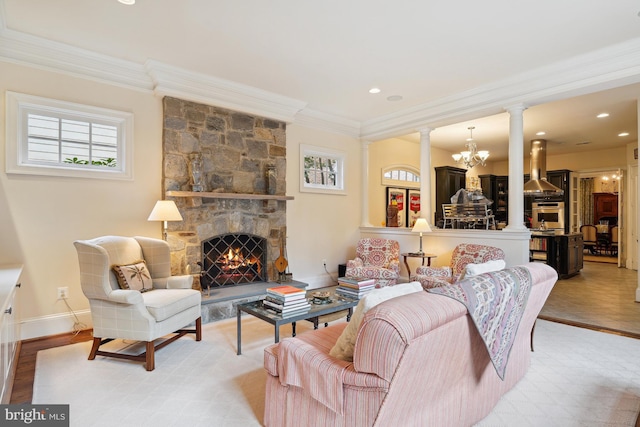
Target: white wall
(321, 226)
(40, 217)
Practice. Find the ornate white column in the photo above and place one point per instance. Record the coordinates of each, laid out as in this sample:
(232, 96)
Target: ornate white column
(426, 210)
(516, 168)
(364, 192)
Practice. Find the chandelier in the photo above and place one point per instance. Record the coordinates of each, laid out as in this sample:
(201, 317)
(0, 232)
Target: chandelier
(471, 156)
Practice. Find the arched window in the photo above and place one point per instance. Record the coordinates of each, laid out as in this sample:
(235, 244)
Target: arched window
(401, 175)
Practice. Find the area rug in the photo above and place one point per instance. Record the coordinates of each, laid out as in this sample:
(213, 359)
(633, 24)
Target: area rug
(577, 378)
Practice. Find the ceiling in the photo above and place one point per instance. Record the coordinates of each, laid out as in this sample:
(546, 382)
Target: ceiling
(329, 53)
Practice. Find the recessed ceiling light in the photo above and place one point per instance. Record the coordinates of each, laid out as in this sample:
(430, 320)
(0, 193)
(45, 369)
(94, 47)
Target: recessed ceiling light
(623, 134)
(602, 115)
(541, 133)
(374, 90)
(394, 98)
(127, 2)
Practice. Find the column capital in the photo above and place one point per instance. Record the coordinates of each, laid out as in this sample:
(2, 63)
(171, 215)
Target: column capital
(516, 108)
(425, 129)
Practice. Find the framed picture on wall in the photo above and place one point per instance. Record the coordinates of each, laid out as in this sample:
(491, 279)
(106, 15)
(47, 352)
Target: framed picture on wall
(413, 207)
(396, 198)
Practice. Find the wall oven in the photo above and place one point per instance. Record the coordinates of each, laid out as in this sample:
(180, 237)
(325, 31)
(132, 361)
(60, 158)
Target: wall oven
(551, 214)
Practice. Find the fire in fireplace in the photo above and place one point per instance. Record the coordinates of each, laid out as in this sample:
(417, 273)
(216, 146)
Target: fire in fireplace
(233, 259)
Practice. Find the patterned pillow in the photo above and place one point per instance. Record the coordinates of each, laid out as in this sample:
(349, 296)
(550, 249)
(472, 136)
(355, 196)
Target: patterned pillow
(134, 276)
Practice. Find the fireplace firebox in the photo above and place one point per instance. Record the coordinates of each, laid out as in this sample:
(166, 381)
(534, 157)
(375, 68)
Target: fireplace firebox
(232, 260)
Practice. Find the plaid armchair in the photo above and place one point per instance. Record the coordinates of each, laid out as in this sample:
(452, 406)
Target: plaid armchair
(377, 259)
(463, 254)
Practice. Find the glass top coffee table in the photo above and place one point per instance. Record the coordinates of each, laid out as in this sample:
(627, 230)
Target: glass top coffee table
(256, 308)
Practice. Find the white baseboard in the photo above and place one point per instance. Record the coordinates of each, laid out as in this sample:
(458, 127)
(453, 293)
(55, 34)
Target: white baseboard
(53, 325)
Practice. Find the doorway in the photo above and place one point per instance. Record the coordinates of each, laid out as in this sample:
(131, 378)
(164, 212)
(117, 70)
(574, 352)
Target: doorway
(601, 204)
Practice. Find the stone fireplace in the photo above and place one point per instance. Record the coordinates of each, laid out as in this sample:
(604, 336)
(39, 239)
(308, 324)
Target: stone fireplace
(242, 192)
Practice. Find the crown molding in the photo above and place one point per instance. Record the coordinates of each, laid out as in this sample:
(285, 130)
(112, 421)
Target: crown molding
(605, 68)
(325, 121)
(178, 82)
(25, 49)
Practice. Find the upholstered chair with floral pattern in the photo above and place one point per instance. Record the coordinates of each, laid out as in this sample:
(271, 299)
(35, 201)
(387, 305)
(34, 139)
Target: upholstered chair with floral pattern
(463, 254)
(376, 259)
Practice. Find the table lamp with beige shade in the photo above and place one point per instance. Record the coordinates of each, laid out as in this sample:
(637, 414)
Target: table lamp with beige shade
(165, 210)
(421, 226)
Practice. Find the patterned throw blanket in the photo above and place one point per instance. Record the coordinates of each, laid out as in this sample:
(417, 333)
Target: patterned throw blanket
(495, 302)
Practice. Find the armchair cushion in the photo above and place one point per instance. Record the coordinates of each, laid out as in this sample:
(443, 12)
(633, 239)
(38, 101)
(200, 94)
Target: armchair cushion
(343, 348)
(134, 276)
(169, 302)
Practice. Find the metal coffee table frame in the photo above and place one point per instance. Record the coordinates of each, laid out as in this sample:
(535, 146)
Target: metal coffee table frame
(255, 308)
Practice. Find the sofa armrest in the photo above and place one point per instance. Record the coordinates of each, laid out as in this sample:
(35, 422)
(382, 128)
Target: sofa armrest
(428, 282)
(173, 282)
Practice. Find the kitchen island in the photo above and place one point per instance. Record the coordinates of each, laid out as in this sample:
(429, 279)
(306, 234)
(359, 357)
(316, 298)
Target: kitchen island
(562, 251)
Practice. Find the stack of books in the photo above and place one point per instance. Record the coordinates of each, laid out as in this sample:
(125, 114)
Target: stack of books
(286, 300)
(355, 287)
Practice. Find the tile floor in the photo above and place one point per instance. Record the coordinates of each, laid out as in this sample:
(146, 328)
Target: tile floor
(602, 295)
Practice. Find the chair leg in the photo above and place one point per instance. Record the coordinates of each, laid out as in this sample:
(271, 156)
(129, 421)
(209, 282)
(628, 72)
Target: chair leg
(94, 348)
(150, 359)
(199, 329)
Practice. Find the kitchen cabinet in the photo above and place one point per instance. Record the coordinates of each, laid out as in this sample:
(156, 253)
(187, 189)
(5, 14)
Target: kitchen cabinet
(448, 181)
(563, 252)
(561, 179)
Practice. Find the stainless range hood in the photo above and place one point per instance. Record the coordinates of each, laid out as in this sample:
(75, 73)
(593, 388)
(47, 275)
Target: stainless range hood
(538, 184)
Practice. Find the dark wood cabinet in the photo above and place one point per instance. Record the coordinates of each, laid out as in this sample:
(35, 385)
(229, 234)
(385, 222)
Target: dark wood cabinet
(448, 181)
(605, 206)
(501, 204)
(562, 252)
(571, 259)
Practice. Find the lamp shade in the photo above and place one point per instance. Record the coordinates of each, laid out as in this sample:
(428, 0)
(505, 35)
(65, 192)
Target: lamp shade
(421, 226)
(165, 210)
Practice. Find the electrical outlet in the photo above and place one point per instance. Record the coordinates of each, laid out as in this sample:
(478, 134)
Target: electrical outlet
(63, 292)
(324, 262)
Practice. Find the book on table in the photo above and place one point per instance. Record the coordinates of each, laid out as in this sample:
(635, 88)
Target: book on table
(357, 287)
(286, 292)
(353, 293)
(359, 281)
(289, 306)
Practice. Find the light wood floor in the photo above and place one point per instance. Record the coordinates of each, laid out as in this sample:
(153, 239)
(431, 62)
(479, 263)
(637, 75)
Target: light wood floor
(601, 297)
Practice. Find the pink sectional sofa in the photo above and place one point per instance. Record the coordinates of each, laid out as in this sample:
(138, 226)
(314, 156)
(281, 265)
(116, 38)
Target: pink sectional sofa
(418, 361)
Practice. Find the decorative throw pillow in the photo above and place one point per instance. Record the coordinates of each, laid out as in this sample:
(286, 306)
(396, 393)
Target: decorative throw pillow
(485, 267)
(343, 348)
(134, 276)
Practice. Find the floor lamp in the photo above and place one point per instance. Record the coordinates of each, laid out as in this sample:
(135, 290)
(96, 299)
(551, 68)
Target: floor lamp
(165, 210)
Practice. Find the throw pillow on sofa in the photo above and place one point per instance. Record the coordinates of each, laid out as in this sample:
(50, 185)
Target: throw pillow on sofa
(343, 348)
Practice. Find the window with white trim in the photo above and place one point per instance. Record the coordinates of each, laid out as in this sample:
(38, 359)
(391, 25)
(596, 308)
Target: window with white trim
(403, 175)
(51, 137)
(321, 170)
